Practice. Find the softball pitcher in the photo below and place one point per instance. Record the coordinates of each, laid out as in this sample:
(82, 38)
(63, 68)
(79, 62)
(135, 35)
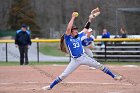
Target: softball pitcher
(74, 45)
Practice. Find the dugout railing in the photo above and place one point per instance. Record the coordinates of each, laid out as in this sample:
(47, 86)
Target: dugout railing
(117, 51)
(114, 49)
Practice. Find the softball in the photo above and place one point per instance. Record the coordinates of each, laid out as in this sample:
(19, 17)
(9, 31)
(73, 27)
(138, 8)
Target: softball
(76, 14)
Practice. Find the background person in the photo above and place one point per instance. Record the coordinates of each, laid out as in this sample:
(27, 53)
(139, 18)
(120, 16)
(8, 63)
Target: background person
(123, 33)
(23, 41)
(105, 34)
(87, 42)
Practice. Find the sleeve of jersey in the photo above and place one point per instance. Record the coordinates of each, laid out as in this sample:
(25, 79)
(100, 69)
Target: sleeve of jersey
(83, 38)
(66, 36)
(81, 34)
(92, 37)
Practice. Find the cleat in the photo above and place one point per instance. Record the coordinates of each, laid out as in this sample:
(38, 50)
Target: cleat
(118, 77)
(46, 88)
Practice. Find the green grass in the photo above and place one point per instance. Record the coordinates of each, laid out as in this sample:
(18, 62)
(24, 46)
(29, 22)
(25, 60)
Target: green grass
(51, 49)
(65, 63)
(9, 63)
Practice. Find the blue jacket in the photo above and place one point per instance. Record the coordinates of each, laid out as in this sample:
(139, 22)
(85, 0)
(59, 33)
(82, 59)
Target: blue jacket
(22, 38)
(107, 35)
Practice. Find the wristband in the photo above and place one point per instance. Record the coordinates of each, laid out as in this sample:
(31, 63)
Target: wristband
(87, 25)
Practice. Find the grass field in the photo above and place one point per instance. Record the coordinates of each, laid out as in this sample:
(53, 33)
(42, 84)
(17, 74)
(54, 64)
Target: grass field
(51, 49)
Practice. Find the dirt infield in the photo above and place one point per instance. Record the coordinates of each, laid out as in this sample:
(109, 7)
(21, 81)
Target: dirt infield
(30, 79)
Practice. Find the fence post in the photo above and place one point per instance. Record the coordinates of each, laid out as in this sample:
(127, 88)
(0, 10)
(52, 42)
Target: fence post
(6, 52)
(105, 50)
(38, 52)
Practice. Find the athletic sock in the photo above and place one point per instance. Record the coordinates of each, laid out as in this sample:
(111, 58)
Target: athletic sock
(108, 71)
(56, 81)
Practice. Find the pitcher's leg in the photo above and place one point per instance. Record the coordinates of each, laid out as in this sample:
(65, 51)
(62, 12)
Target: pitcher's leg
(92, 62)
(103, 68)
(69, 69)
(88, 52)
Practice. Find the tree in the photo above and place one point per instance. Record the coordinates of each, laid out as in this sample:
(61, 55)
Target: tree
(22, 12)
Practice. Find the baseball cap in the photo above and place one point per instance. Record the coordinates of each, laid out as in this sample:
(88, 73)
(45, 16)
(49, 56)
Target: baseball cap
(90, 30)
(74, 27)
(24, 26)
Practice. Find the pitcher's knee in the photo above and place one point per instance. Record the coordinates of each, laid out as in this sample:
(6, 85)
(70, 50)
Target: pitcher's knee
(101, 67)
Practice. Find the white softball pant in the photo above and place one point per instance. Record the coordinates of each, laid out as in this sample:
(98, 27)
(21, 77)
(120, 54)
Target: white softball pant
(76, 62)
(88, 52)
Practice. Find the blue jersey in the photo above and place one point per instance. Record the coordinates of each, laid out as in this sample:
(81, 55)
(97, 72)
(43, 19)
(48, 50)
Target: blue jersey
(87, 40)
(74, 45)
